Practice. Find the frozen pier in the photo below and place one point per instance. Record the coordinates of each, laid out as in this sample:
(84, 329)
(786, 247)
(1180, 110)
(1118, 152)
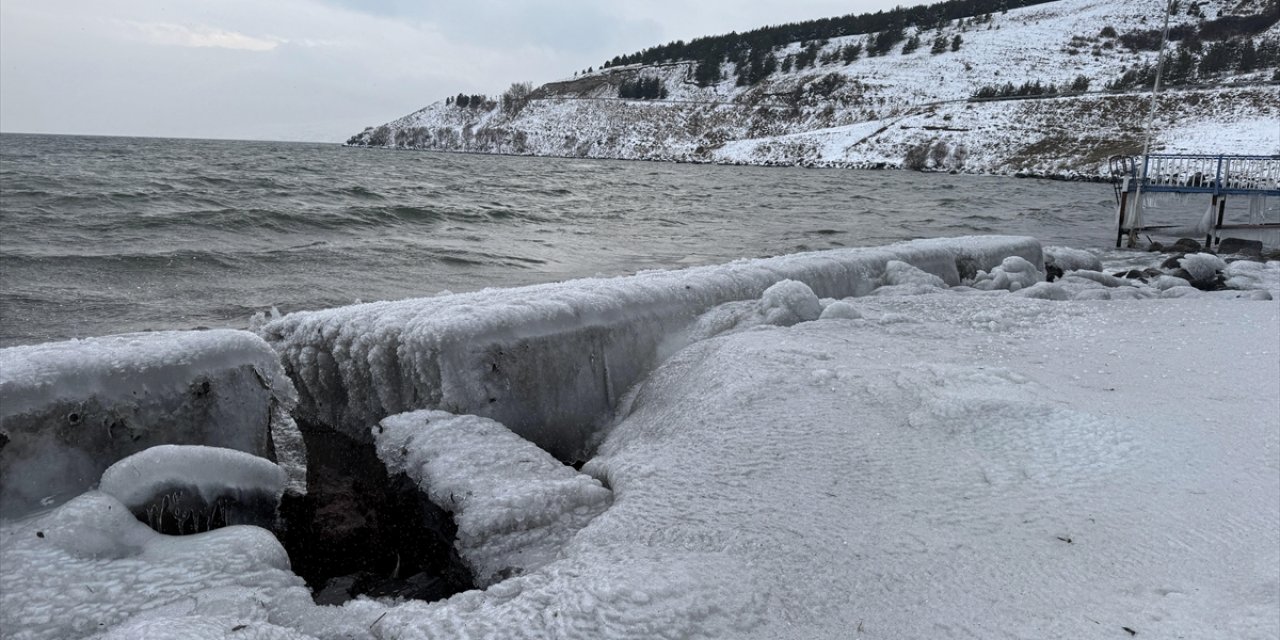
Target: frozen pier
(1146, 181)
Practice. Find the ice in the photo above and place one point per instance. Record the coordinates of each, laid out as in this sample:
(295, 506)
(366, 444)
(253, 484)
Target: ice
(900, 273)
(90, 565)
(1104, 279)
(1244, 274)
(1045, 291)
(195, 487)
(515, 506)
(1014, 273)
(840, 310)
(1166, 282)
(971, 463)
(71, 409)
(1069, 259)
(551, 361)
(789, 302)
(1203, 267)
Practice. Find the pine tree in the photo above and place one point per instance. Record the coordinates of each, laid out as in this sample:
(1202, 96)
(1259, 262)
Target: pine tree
(955, 43)
(939, 45)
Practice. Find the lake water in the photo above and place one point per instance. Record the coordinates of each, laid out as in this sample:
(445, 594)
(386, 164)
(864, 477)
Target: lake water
(109, 235)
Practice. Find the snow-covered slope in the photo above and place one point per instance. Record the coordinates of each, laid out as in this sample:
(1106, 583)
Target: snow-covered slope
(872, 111)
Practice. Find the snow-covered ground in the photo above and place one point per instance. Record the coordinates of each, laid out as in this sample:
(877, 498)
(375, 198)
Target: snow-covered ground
(1008, 458)
(870, 112)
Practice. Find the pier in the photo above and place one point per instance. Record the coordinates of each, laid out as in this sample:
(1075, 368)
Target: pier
(1139, 179)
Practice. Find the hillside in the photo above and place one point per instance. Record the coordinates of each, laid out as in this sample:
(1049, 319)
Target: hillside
(1053, 88)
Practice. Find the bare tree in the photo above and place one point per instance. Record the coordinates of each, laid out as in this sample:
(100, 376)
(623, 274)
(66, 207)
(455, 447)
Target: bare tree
(516, 97)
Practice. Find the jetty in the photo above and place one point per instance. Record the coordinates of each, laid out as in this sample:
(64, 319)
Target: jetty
(1144, 183)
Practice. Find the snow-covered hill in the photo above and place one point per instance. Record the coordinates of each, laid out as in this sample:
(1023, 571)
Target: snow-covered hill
(901, 109)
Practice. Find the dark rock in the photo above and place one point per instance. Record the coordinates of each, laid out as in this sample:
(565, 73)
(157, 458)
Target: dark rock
(1152, 273)
(1187, 245)
(1181, 273)
(967, 268)
(1173, 261)
(1156, 247)
(1242, 247)
(336, 591)
(1052, 272)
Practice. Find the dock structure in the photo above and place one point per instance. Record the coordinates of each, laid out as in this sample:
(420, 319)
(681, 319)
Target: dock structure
(1218, 176)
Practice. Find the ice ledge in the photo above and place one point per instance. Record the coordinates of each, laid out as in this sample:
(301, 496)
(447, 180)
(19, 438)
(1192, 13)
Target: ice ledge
(515, 505)
(550, 361)
(68, 410)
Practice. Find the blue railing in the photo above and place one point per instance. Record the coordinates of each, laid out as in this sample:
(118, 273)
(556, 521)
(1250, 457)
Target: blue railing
(1219, 175)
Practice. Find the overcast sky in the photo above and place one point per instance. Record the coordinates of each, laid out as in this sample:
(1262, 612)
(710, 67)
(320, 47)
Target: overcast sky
(320, 69)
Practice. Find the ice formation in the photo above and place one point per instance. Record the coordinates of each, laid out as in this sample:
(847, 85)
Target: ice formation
(1069, 259)
(71, 409)
(1014, 273)
(1202, 267)
(516, 507)
(840, 310)
(89, 565)
(197, 488)
(549, 361)
(789, 302)
(966, 464)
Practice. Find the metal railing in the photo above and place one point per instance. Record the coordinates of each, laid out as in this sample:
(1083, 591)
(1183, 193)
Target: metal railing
(1193, 173)
(1219, 176)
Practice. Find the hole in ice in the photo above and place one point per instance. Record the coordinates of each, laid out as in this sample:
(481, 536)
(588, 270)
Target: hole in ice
(360, 532)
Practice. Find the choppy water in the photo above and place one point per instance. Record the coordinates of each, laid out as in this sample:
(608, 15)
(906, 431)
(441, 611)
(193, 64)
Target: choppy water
(107, 235)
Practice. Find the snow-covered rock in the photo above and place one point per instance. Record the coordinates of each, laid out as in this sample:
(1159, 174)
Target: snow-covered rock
(68, 410)
(1202, 267)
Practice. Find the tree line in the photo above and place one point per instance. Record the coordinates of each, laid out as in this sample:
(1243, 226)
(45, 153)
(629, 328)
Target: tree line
(720, 48)
(642, 89)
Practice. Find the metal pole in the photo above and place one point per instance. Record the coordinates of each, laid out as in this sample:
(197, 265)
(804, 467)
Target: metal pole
(1151, 116)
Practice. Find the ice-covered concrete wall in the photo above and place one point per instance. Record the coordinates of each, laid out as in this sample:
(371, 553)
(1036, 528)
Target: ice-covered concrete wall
(68, 410)
(549, 361)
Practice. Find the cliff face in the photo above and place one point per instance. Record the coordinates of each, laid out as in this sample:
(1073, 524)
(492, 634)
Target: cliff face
(914, 110)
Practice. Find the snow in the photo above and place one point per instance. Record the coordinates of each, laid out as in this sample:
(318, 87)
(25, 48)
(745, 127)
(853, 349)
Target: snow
(71, 409)
(550, 361)
(210, 473)
(968, 463)
(515, 506)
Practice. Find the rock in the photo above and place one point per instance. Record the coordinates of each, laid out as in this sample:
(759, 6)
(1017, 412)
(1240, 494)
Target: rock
(1242, 247)
(1173, 262)
(1156, 247)
(1052, 272)
(1187, 245)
